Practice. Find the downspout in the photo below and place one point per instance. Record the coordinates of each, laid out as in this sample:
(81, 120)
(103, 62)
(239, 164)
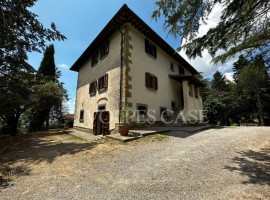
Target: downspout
(121, 75)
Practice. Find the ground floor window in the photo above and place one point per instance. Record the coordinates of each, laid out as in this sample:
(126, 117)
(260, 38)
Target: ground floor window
(81, 115)
(101, 107)
(197, 92)
(173, 105)
(142, 109)
(163, 111)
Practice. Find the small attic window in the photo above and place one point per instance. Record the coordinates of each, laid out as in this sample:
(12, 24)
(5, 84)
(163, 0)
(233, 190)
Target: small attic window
(94, 59)
(150, 48)
(181, 70)
(104, 50)
(171, 67)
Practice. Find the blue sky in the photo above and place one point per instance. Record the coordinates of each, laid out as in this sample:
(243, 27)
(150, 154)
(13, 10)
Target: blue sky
(81, 21)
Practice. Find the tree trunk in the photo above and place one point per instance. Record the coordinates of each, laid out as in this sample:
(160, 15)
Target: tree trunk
(12, 125)
(260, 109)
(47, 123)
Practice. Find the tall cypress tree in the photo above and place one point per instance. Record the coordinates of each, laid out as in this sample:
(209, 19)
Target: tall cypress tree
(47, 66)
(40, 112)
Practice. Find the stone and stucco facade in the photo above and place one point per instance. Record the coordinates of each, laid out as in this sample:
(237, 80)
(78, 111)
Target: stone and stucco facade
(126, 65)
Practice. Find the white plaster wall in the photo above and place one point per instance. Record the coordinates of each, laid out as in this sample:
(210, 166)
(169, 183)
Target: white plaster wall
(111, 65)
(168, 89)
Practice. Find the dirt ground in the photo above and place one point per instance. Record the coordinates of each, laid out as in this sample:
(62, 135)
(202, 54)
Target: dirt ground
(229, 163)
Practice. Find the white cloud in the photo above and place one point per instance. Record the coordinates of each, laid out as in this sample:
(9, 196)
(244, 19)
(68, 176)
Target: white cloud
(65, 66)
(203, 64)
(229, 76)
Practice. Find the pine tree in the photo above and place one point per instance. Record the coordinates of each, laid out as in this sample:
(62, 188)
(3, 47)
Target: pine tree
(219, 82)
(254, 81)
(240, 64)
(244, 26)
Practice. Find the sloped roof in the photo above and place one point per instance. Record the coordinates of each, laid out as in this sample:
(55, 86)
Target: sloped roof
(124, 15)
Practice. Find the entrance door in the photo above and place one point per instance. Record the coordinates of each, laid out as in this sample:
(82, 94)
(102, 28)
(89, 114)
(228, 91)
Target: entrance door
(105, 123)
(101, 123)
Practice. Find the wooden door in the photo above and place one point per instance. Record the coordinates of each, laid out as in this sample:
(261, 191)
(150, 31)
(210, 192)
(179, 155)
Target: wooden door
(105, 122)
(95, 123)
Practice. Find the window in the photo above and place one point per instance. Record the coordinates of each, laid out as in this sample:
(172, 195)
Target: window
(173, 105)
(181, 70)
(151, 81)
(81, 115)
(103, 82)
(172, 67)
(163, 111)
(196, 92)
(104, 50)
(150, 48)
(190, 89)
(101, 107)
(142, 109)
(94, 60)
(93, 88)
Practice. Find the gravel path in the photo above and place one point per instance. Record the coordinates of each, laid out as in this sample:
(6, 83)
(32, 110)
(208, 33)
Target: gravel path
(228, 163)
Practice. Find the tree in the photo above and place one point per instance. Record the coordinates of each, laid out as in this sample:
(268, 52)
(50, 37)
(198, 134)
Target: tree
(47, 95)
(21, 33)
(15, 99)
(47, 65)
(244, 26)
(240, 64)
(41, 110)
(219, 82)
(213, 109)
(254, 80)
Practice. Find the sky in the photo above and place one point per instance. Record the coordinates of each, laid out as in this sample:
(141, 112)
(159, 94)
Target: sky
(82, 20)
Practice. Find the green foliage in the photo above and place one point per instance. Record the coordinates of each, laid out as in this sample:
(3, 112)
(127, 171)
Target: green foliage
(125, 114)
(49, 94)
(47, 66)
(244, 26)
(243, 100)
(21, 33)
(219, 82)
(254, 81)
(240, 64)
(213, 108)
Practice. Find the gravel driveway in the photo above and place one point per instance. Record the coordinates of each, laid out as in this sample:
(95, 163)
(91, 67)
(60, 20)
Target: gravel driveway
(227, 163)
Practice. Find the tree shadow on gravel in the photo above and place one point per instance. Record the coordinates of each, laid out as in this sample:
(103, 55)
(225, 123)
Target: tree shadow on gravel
(16, 153)
(254, 164)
